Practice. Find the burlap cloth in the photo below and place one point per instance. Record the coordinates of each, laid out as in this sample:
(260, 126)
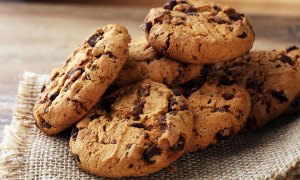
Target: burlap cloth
(270, 153)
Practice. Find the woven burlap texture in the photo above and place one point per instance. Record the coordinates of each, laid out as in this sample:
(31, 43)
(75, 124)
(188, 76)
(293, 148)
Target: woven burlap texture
(26, 153)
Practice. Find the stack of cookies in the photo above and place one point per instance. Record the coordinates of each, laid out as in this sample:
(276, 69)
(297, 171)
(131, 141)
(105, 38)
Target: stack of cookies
(192, 81)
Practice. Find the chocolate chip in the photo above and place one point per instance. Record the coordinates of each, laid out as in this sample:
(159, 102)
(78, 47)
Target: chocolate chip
(94, 116)
(76, 158)
(148, 27)
(168, 42)
(176, 92)
(148, 128)
(252, 83)
(94, 67)
(278, 66)
(228, 96)
(114, 141)
(209, 101)
(289, 49)
(74, 133)
(172, 102)
(95, 38)
(222, 109)
(184, 107)
(217, 8)
(46, 125)
(54, 95)
(138, 125)
(144, 91)
(162, 119)
(72, 72)
(217, 20)
(150, 153)
(128, 146)
(286, 59)
(233, 15)
(130, 166)
(111, 55)
(138, 109)
(146, 136)
(43, 88)
(225, 81)
(43, 100)
(79, 106)
(243, 35)
(170, 5)
(179, 145)
(191, 10)
(223, 134)
(280, 96)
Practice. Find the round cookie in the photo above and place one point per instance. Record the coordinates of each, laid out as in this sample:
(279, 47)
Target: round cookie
(198, 31)
(144, 62)
(270, 78)
(135, 131)
(77, 85)
(220, 111)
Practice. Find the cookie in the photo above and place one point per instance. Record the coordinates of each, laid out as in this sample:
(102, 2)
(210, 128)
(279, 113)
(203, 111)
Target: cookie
(77, 85)
(144, 62)
(220, 112)
(269, 77)
(198, 31)
(135, 131)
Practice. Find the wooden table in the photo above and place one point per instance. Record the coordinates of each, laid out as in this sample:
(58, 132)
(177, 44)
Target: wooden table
(38, 37)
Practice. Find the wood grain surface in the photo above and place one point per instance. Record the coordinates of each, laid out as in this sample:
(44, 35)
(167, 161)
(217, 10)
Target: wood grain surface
(39, 36)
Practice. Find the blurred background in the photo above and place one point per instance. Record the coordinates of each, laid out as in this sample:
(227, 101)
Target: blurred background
(39, 35)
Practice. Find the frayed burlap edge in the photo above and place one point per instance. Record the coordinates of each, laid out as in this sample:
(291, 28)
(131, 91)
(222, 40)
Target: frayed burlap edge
(18, 134)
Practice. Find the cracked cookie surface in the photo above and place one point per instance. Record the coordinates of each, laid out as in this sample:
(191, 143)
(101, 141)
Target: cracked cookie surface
(77, 85)
(197, 31)
(220, 111)
(270, 78)
(144, 62)
(137, 130)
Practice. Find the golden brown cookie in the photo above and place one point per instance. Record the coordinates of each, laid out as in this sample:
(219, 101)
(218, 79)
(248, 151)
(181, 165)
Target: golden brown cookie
(144, 62)
(135, 131)
(220, 112)
(77, 85)
(198, 31)
(270, 78)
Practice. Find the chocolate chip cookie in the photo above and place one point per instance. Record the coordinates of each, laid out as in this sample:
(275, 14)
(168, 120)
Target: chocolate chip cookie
(77, 85)
(270, 78)
(220, 111)
(137, 130)
(198, 31)
(144, 62)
